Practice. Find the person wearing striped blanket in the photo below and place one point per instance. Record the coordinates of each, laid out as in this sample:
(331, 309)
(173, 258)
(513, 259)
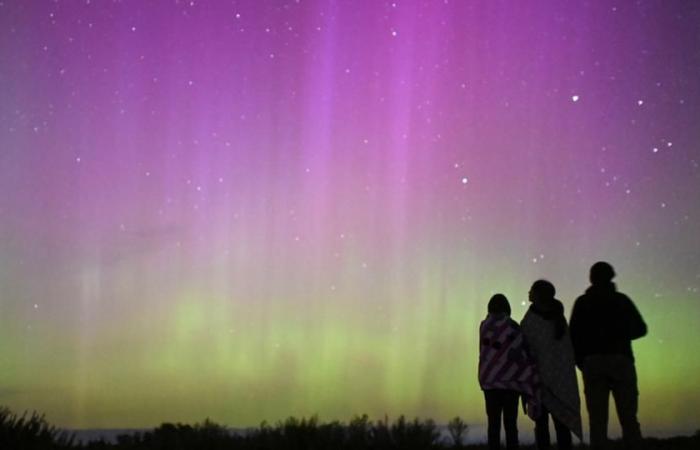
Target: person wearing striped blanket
(506, 372)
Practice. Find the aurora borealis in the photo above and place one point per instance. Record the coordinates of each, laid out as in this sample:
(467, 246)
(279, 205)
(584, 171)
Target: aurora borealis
(246, 210)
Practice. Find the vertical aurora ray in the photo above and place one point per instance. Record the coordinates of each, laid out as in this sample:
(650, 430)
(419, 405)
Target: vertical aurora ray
(249, 210)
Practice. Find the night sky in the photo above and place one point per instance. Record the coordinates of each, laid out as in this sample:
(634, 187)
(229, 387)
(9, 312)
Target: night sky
(246, 210)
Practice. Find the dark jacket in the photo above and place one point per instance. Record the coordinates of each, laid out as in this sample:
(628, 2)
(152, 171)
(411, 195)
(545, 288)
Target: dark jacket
(604, 322)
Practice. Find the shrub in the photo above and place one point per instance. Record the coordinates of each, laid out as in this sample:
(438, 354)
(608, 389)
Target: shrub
(457, 429)
(31, 432)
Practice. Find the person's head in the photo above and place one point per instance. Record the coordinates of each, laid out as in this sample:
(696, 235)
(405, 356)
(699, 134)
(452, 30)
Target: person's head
(541, 290)
(601, 273)
(499, 305)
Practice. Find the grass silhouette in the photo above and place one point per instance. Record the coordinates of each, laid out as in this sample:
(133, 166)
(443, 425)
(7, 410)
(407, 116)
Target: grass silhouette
(32, 432)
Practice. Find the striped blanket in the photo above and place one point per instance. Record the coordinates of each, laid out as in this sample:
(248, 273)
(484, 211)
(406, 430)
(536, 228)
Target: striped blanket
(505, 363)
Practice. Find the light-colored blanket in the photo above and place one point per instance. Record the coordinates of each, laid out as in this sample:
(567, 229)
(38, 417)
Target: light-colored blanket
(557, 370)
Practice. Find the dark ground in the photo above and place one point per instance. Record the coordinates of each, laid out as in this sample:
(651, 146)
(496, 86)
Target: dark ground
(32, 432)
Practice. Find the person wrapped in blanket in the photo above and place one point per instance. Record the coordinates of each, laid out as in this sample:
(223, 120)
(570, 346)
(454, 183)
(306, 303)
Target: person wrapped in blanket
(506, 372)
(547, 333)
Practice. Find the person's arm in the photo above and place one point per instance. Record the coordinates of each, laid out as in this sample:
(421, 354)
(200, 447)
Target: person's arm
(481, 336)
(636, 327)
(560, 325)
(575, 330)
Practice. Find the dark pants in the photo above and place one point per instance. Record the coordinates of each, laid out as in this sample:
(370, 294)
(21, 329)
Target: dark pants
(502, 402)
(542, 438)
(603, 374)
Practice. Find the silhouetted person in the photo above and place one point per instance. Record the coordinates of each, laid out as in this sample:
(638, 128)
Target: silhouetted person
(506, 371)
(603, 324)
(547, 335)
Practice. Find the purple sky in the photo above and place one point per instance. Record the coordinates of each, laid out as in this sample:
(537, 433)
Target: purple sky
(302, 207)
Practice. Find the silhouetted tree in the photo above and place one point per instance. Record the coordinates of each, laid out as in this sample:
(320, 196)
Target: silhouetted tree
(457, 429)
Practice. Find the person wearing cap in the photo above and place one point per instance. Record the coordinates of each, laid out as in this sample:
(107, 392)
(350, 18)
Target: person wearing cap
(603, 324)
